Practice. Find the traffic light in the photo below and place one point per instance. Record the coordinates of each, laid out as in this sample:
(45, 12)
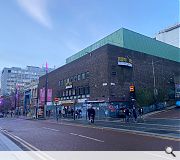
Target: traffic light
(131, 88)
(56, 100)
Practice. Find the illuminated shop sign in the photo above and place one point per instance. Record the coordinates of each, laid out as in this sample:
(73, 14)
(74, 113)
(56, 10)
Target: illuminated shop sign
(122, 61)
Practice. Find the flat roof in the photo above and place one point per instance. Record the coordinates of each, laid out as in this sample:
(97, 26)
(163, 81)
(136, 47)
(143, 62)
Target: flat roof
(134, 41)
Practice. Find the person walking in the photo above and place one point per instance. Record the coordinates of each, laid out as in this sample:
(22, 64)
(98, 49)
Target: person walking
(11, 113)
(91, 114)
(134, 114)
(127, 115)
(140, 112)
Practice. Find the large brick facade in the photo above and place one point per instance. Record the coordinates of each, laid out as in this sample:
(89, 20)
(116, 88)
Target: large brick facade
(105, 79)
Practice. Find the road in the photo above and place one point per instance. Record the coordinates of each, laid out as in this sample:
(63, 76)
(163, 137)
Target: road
(154, 134)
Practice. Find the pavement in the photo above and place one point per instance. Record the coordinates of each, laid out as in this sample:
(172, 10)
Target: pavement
(160, 123)
(6, 144)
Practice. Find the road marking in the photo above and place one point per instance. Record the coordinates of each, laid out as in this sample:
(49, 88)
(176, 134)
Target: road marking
(155, 124)
(149, 134)
(172, 119)
(86, 137)
(50, 129)
(36, 151)
(123, 130)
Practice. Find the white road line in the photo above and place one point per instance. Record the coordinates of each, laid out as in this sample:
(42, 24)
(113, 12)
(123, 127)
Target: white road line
(123, 130)
(51, 129)
(172, 119)
(155, 124)
(41, 155)
(86, 137)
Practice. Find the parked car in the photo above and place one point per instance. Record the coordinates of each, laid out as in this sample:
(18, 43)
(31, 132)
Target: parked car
(1, 115)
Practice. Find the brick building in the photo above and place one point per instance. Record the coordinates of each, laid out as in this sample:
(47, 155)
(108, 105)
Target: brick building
(104, 71)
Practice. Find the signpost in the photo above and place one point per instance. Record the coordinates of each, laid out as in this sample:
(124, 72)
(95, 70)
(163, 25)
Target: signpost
(56, 100)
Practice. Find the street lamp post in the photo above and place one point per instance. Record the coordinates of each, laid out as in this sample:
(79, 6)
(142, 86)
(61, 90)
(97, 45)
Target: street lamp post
(46, 89)
(154, 80)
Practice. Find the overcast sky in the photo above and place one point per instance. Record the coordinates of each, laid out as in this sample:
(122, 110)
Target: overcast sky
(35, 31)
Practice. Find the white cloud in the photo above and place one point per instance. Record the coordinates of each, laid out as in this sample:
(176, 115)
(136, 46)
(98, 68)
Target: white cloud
(37, 9)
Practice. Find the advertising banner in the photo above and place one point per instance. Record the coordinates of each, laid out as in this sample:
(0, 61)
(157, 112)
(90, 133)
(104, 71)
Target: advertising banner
(49, 95)
(42, 95)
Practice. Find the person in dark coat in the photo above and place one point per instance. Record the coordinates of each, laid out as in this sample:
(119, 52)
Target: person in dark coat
(127, 115)
(91, 114)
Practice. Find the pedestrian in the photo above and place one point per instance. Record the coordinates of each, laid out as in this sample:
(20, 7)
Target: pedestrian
(89, 113)
(140, 110)
(134, 113)
(57, 117)
(92, 114)
(11, 113)
(63, 113)
(127, 115)
(80, 113)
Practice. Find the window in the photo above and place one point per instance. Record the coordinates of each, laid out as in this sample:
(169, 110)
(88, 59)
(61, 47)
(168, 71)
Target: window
(70, 91)
(63, 93)
(83, 76)
(113, 73)
(77, 91)
(71, 79)
(79, 77)
(66, 92)
(113, 67)
(81, 91)
(75, 78)
(74, 92)
(87, 74)
(9, 71)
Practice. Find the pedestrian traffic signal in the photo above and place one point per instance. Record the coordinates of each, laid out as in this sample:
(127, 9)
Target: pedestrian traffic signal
(131, 88)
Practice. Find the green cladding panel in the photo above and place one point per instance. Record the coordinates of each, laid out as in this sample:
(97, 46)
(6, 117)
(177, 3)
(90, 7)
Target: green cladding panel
(133, 41)
(141, 43)
(116, 38)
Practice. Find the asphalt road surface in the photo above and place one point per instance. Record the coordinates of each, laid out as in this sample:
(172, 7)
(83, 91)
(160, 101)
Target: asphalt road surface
(154, 134)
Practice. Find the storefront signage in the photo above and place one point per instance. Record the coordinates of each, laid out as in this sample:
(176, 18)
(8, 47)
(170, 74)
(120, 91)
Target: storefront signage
(69, 85)
(122, 61)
